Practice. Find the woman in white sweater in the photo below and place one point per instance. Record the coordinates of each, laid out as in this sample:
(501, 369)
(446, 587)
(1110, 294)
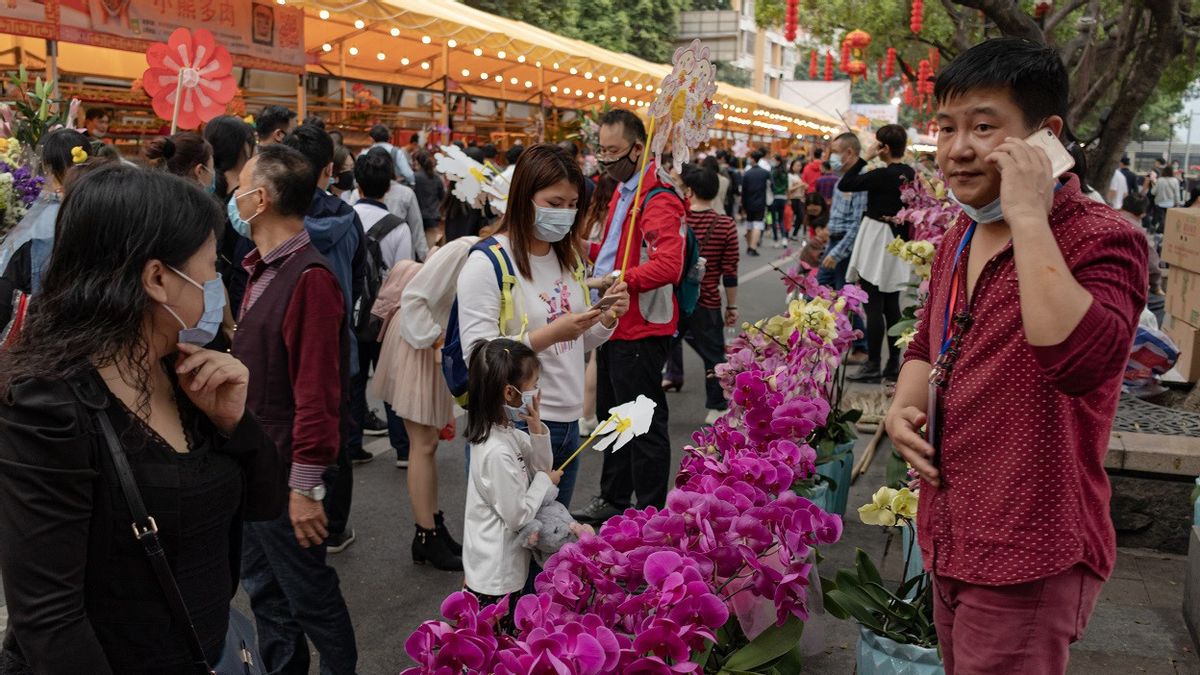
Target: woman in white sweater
(549, 309)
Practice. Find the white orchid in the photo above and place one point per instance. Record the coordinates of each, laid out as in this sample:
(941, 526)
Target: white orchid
(469, 176)
(625, 422)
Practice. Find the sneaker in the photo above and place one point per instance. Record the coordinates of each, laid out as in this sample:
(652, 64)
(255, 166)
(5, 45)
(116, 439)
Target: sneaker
(360, 456)
(402, 459)
(713, 416)
(587, 425)
(780, 243)
(596, 512)
(336, 543)
(857, 358)
(373, 426)
(753, 252)
(869, 373)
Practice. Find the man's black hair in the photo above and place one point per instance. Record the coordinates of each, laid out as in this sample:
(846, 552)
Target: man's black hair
(315, 121)
(894, 137)
(1124, 161)
(271, 118)
(757, 155)
(490, 151)
(702, 181)
(512, 155)
(817, 153)
(314, 144)
(374, 173)
(1135, 203)
(95, 113)
(380, 133)
(288, 176)
(1032, 73)
(634, 130)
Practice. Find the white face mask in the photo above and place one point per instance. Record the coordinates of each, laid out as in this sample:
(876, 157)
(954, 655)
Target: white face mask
(990, 213)
(552, 225)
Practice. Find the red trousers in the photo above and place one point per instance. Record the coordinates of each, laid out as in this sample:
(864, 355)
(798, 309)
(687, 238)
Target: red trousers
(1022, 629)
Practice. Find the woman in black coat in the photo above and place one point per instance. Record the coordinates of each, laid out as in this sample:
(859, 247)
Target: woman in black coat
(113, 333)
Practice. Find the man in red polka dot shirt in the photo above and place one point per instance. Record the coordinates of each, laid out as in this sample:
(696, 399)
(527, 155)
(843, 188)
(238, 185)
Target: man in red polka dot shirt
(1008, 392)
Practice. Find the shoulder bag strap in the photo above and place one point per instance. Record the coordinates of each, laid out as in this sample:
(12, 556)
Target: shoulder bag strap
(146, 531)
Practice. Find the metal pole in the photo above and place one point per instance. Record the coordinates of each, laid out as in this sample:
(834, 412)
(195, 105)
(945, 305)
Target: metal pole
(446, 90)
(301, 98)
(52, 68)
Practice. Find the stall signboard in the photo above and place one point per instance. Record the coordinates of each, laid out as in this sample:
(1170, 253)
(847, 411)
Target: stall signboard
(259, 33)
(32, 18)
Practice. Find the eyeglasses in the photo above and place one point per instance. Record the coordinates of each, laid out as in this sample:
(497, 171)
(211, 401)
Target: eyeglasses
(611, 154)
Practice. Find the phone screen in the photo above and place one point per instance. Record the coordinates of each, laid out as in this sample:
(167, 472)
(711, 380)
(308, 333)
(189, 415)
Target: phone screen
(605, 303)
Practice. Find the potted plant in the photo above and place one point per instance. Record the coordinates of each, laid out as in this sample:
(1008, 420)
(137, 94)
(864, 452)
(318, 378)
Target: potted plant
(896, 629)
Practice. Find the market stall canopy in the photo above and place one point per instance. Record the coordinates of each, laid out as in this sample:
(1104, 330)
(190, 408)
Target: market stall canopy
(431, 44)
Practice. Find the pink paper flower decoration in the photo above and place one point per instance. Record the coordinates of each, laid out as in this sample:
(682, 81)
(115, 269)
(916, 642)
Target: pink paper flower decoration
(203, 69)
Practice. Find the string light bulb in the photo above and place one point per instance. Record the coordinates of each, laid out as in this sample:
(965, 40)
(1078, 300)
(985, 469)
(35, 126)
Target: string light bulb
(500, 54)
(477, 52)
(554, 89)
(466, 73)
(404, 61)
(425, 39)
(324, 14)
(424, 65)
(381, 56)
(452, 43)
(521, 58)
(326, 47)
(528, 84)
(359, 24)
(354, 51)
(601, 79)
(395, 32)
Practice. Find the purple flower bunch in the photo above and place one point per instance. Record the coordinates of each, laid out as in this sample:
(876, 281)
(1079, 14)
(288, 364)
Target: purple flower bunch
(26, 184)
(927, 210)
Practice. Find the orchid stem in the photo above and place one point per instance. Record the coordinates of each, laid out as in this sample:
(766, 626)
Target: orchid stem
(764, 333)
(594, 436)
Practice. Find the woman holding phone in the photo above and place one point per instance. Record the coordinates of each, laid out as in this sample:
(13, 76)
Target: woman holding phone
(549, 308)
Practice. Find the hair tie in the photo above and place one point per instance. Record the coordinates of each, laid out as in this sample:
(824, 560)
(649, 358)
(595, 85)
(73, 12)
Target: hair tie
(78, 155)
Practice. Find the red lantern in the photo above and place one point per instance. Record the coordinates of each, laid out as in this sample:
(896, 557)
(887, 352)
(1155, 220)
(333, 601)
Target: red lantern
(792, 20)
(812, 66)
(924, 78)
(858, 40)
(934, 60)
(1042, 8)
(828, 67)
(917, 19)
(856, 69)
(845, 56)
(889, 70)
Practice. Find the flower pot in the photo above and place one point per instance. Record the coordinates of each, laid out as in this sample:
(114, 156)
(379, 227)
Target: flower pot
(878, 655)
(822, 497)
(839, 471)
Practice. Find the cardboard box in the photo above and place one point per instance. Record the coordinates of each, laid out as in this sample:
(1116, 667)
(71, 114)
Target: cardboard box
(1181, 239)
(1187, 338)
(1183, 295)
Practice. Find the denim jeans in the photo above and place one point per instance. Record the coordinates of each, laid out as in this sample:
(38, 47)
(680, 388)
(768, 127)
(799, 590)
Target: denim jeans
(836, 279)
(397, 433)
(564, 440)
(295, 595)
(704, 330)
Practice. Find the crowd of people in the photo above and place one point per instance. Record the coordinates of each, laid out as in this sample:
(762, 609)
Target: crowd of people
(205, 329)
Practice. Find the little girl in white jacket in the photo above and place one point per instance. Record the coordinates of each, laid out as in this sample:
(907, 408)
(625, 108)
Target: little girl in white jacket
(511, 470)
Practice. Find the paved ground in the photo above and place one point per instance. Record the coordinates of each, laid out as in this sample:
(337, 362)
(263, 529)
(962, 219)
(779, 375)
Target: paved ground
(1137, 627)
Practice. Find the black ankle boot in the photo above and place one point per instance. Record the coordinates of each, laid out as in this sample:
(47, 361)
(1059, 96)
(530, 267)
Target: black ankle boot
(439, 524)
(429, 547)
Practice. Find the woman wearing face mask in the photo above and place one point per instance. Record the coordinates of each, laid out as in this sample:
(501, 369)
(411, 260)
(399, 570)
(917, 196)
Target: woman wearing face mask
(343, 176)
(232, 142)
(187, 155)
(549, 311)
(881, 274)
(130, 291)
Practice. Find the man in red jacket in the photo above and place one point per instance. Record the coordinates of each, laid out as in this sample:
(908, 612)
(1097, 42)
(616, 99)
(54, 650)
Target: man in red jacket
(631, 362)
(812, 171)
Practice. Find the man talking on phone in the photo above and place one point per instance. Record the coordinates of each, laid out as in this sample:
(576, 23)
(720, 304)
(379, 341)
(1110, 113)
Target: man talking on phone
(1033, 305)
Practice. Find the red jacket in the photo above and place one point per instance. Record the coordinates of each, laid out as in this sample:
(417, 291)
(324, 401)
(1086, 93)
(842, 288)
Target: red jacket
(811, 172)
(659, 236)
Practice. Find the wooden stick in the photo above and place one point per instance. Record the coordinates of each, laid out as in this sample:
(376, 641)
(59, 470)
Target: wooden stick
(864, 462)
(594, 436)
(637, 199)
(178, 95)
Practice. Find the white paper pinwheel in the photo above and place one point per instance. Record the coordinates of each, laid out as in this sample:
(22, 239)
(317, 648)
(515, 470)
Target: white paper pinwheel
(469, 176)
(684, 109)
(625, 422)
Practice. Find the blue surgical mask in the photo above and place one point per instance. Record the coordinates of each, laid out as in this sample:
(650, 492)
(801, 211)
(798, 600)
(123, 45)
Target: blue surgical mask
(835, 162)
(214, 311)
(211, 188)
(515, 414)
(990, 213)
(240, 225)
(552, 225)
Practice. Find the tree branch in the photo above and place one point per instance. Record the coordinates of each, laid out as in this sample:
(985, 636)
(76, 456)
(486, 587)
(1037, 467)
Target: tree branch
(962, 41)
(1056, 18)
(1008, 17)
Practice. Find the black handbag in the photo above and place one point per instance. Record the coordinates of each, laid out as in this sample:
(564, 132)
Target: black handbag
(239, 656)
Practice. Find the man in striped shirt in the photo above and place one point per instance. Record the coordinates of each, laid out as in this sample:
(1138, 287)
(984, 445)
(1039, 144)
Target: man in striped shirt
(704, 327)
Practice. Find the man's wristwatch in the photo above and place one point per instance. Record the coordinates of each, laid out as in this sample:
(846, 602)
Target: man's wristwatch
(317, 494)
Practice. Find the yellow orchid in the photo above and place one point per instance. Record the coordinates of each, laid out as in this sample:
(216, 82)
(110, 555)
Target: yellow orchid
(879, 511)
(904, 503)
(906, 337)
(896, 247)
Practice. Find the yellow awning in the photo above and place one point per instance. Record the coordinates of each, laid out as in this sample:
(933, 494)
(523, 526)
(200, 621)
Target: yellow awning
(417, 43)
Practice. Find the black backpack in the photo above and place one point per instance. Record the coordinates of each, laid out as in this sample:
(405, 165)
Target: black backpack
(367, 325)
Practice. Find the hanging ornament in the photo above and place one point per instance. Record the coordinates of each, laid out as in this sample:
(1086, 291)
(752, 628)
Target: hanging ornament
(924, 78)
(935, 59)
(858, 40)
(813, 66)
(917, 20)
(889, 70)
(828, 67)
(792, 20)
(845, 57)
(856, 69)
(1041, 8)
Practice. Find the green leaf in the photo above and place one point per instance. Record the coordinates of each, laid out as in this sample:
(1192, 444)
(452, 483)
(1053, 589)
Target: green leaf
(768, 646)
(852, 415)
(867, 571)
(901, 326)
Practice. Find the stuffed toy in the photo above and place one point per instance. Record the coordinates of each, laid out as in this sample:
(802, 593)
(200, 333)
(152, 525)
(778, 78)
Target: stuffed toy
(552, 527)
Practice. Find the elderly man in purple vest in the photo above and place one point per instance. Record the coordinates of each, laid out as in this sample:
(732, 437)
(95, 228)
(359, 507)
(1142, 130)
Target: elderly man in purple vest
(291, 335)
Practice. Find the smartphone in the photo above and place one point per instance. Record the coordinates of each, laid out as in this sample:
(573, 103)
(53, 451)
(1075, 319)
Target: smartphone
(1061, 161)
(605, 303)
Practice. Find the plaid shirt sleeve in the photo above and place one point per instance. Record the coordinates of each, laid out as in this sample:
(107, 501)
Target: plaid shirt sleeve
(845, 222)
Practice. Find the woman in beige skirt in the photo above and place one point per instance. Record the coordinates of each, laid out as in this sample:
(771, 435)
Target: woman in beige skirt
(409, 380)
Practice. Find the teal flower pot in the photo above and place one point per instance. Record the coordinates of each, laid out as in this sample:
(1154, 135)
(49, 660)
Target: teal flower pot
(878, 655)
(822, 497)
(914, 565)
(839, 471)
